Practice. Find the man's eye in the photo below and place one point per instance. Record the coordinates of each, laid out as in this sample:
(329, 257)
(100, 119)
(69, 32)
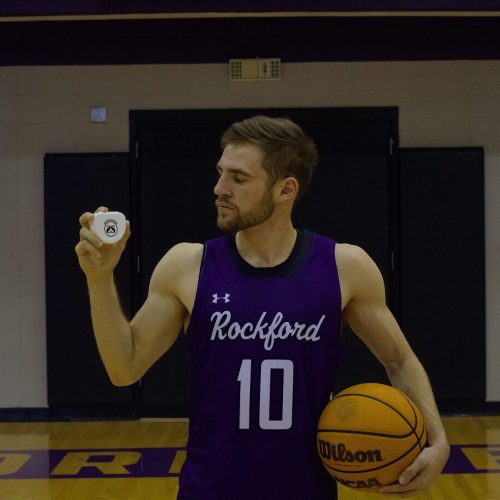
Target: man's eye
(239, 180)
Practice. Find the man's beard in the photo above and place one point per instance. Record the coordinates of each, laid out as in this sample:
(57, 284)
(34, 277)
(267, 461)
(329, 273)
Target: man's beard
(236, 221)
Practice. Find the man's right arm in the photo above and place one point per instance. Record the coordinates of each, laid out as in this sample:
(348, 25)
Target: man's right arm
(128, 349)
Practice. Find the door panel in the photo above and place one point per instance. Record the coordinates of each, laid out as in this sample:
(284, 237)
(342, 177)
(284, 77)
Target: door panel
(177, 206)
(349, 201)
(75, 184)
(443, 267)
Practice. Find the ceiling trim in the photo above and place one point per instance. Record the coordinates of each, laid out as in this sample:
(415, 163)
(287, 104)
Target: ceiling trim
(219, 15)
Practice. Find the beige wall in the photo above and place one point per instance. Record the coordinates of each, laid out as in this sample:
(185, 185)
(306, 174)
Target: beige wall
(46, 109)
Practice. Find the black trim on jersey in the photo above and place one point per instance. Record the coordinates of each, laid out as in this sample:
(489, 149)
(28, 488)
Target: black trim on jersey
(287, 268)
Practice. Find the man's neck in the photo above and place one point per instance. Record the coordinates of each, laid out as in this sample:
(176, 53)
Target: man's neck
(266, 245)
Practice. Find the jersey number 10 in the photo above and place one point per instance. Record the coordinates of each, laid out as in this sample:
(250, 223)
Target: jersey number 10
(245, 378)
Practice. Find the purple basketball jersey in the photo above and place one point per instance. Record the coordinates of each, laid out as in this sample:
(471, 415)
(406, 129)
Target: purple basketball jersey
(264, 349)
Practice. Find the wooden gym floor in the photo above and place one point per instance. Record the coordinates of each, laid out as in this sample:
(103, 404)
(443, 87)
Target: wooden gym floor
(140, 460)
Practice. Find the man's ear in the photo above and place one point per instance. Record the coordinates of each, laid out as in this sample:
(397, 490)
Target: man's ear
(289, 187)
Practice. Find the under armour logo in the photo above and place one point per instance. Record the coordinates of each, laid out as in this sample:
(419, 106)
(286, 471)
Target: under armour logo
(225, 298)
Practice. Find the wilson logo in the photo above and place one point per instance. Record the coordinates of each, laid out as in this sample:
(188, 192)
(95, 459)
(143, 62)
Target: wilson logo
(340, 453)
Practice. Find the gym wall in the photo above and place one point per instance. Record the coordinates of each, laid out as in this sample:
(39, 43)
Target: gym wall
(46, 109)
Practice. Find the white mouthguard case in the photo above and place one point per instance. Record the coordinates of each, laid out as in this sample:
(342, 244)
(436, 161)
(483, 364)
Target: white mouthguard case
(108, 226)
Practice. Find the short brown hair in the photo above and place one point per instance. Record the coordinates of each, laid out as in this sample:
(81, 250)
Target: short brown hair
(287, 150)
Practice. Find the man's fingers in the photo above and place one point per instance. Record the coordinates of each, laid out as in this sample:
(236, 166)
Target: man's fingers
(127, 234)
(85, 219)
(416, 484)
(125, 237)
(84, 247)
(87, 234)
(412, 471)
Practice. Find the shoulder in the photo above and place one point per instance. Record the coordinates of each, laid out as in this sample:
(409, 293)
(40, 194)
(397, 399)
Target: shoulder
(351, 257)
(358, 273)
(181, 262)
(185, 253)
(182, 256)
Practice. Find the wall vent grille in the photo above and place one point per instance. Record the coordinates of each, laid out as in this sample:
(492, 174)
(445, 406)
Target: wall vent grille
(254, 70)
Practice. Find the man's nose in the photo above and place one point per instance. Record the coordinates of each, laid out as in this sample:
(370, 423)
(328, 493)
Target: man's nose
(220, 188)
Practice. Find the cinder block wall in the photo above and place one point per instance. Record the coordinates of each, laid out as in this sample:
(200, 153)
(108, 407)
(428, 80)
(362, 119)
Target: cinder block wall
(46, 109)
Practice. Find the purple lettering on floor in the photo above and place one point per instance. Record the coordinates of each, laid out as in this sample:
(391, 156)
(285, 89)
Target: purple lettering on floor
(166, 462)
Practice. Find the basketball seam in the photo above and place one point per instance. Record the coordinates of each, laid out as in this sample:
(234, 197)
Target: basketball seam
(392, 436)
(416, 421)
(384, 403)
(417, 446)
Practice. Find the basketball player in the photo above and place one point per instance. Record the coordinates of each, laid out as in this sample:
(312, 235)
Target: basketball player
(261, 309)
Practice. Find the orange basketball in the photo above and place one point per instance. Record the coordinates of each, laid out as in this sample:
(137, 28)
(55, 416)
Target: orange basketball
(368, 434)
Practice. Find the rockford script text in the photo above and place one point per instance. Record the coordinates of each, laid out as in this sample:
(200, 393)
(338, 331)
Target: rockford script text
(268, 331)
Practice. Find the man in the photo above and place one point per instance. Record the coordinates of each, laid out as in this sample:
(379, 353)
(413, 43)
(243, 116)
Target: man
(261, 309)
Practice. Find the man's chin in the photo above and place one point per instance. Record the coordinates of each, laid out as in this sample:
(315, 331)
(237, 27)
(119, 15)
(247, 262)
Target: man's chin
(226, 225)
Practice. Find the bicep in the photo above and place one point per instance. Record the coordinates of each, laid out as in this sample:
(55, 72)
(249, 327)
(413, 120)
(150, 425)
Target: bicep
(377, 328)
(368, 315)
(158, 322)
(155, 328)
